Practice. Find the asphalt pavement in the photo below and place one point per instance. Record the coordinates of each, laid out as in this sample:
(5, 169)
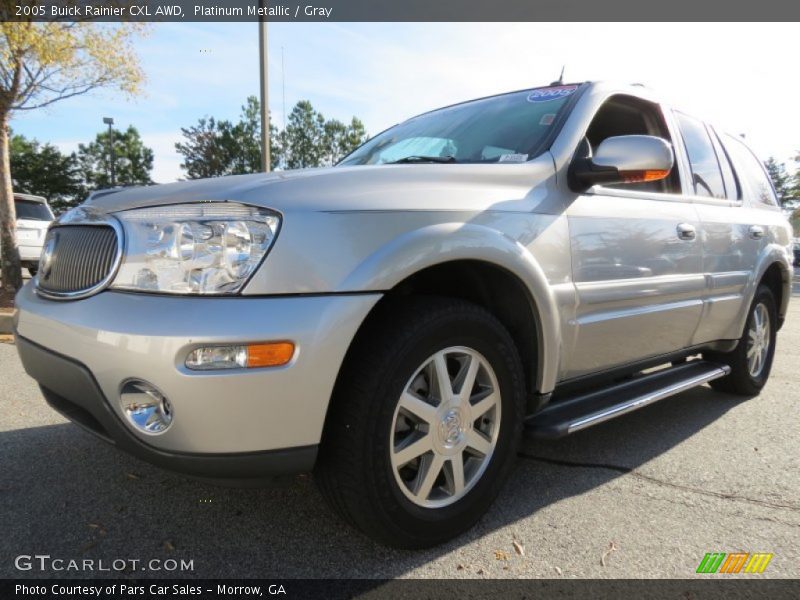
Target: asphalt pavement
(646, 495)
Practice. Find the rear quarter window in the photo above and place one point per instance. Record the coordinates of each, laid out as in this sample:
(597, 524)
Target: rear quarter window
(706, 173)
(753, 177)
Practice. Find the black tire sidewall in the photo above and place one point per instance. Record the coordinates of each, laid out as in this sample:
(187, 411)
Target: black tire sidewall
(739, 381)
(491, 341)
(763, 296)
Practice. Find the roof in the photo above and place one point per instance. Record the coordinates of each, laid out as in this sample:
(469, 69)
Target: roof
(30, 198)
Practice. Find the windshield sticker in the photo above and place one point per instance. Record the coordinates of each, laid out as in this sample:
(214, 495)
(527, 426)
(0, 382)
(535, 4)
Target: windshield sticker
(512, 158)
(547, 119)
(551, 93)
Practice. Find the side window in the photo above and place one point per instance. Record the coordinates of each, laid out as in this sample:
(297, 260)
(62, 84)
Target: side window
(732, 186)
(627, 115)
(706, 174)
(752, 174)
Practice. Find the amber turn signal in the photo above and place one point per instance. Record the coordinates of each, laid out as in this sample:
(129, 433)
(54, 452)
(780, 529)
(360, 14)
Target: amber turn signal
(640, 176)
(251, 356)
(273, 354)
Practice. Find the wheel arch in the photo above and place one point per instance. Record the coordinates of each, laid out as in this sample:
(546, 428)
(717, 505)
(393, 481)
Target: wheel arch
(428, 261)
(778, 279)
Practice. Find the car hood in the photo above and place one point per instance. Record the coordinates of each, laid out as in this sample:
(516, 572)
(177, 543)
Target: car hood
(359, 188)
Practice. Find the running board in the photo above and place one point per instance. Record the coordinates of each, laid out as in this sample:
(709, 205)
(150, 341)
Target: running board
(579, 412)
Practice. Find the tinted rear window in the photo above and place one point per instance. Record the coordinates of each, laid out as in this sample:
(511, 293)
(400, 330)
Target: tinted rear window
(35, 211)
(706, 174)
(752, 174)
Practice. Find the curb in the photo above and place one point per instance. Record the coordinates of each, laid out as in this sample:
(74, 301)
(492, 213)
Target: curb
(7, 321)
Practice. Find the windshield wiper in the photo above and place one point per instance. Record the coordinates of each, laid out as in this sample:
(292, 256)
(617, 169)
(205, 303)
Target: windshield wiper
(422, 159)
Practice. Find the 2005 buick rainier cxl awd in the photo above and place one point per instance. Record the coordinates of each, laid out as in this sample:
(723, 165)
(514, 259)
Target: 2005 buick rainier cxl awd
(541, 260)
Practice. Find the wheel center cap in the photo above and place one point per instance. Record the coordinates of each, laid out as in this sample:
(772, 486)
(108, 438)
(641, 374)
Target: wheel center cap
(451, 428)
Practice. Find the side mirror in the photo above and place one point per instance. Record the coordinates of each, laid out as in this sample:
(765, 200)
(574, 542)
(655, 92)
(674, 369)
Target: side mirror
(622, 159)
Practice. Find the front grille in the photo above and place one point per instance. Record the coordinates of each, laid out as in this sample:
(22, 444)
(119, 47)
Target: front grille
(81, 258)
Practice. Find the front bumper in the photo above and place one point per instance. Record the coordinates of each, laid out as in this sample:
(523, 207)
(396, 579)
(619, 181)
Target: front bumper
(81, 352)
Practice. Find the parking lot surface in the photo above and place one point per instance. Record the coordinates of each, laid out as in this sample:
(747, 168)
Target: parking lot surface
(645, 495)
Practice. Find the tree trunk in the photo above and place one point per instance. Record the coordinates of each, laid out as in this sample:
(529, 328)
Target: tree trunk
(12, 269)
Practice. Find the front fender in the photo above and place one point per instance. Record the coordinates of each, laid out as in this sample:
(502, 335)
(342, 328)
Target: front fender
(446, 242)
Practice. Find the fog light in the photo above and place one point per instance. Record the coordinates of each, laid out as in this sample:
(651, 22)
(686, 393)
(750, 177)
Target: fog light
(145, 407)
(273, 354)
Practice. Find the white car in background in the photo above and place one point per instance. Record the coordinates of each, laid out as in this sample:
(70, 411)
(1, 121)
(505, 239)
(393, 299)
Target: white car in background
(33, 218)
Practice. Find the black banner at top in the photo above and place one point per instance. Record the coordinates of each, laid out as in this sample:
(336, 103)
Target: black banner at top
(400, 10)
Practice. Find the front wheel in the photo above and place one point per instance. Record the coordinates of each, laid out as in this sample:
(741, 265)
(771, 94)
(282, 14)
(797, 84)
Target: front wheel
(751, 360)
(425, 422)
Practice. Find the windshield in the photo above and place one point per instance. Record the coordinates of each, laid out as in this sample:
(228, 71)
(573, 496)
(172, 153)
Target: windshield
(506, 128)
(35, 211)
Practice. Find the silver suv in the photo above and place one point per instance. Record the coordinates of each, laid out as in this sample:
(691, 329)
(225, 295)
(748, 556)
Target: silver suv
(542, 260)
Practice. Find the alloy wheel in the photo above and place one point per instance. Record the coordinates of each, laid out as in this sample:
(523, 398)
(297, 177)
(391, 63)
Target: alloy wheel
(445, 427)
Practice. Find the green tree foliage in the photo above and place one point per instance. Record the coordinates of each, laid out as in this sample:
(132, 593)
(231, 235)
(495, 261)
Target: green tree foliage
(42, 63)
(133, 160)
(780, 179)
(303, 140)
(795, 184)
(312, 141)
(214, 148)
(204, 154)
(340, 139)
(43, 170)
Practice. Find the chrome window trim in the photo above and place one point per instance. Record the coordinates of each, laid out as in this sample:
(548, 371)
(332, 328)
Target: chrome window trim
(92, 220)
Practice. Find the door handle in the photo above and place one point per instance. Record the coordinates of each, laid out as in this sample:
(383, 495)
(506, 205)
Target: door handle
(756, 232)
(686, 231)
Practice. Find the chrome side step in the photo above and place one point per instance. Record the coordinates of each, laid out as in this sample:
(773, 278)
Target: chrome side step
(579, 412)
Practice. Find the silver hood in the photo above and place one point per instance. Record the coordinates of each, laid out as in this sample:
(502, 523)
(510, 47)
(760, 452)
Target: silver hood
(383, 187)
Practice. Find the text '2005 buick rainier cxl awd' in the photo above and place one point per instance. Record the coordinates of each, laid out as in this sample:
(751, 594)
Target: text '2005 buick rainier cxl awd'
(538, 261)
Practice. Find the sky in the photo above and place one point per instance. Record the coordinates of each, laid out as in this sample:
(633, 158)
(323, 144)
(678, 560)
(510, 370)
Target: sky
(740, 76)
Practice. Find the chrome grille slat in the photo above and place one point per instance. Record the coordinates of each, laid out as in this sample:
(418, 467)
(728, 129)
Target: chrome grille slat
(83, 257)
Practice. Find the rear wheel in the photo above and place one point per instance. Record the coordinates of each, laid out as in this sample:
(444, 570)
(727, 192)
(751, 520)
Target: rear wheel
(751, 360)
(425, 422)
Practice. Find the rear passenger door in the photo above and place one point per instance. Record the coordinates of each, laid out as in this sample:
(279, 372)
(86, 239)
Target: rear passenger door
(729, 246)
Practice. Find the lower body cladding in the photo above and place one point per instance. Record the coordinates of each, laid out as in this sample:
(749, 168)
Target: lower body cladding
(238, 424)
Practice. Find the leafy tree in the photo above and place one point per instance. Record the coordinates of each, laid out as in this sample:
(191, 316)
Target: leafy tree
(244, 138)
(204, 154)
(795, 183)
(304, 137)
(214, 148)
(355, 135)
(133, 161)
(311, 141)
(340, 139)
(780, 178)
(333, 134)
(42, 63)
(43, 170)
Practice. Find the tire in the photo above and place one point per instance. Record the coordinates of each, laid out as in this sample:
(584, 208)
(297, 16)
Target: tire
(33, 270)
(747, 376)
(362, 469)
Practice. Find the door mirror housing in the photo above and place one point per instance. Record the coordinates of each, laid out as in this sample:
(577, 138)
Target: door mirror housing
(621, 159)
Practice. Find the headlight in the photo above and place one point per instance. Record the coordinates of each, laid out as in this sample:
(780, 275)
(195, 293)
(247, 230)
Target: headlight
(194, 248)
